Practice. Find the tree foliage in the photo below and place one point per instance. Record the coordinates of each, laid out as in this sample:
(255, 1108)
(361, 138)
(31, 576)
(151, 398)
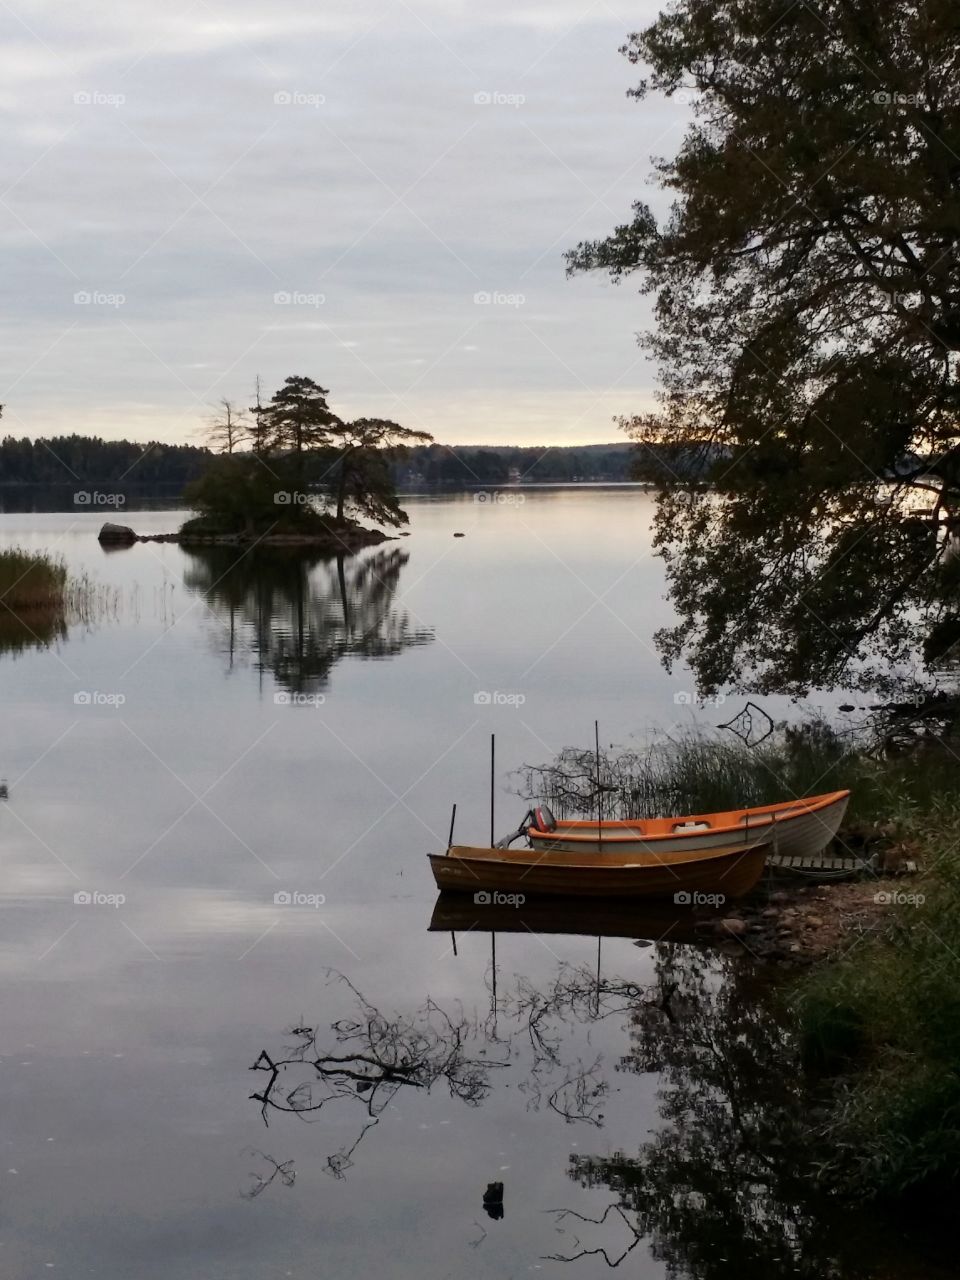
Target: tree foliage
(807, 290)
(298, 418)
(364, 481)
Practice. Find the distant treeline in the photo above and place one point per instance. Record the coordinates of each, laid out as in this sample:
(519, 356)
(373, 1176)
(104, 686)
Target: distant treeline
(465, 465)
(68, 459)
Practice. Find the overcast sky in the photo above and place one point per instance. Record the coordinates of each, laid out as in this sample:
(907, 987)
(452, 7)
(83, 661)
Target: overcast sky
(321, 189)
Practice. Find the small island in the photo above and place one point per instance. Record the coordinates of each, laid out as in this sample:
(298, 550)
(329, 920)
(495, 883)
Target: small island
(290, 473)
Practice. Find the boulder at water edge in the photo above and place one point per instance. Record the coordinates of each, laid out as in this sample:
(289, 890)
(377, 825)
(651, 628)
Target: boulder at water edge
(117, 534)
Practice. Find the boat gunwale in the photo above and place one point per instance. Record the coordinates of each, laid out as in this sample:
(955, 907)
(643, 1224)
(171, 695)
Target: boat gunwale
(769, 815)
(599, 861)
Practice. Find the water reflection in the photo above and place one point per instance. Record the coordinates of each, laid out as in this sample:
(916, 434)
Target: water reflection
(599, 917)
(375, 1057)
(39, 629)
(723, 1185)
(297, 614)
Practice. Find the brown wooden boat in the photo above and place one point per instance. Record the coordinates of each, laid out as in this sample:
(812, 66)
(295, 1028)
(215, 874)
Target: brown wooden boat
(730, 871)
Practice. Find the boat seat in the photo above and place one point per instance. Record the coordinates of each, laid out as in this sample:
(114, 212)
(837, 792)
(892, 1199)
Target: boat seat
(691, 826)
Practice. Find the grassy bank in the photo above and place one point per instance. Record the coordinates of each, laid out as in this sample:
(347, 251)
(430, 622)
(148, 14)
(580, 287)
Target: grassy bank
(39, 600)
(30, 582)
(878, 1024)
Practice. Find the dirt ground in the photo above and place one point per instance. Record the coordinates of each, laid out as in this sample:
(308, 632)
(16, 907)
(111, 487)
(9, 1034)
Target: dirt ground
(795, 922)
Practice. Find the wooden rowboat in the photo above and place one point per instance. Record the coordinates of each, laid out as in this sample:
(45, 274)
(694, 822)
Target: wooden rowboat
(793, 828)
(683, 874)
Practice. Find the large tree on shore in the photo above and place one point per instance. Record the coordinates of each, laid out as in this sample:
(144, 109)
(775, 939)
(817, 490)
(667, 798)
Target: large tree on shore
(807, 286)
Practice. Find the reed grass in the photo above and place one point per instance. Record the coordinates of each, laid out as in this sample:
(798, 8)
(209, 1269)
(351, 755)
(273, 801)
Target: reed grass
(695, 771)
(39, 600)
(29, 581)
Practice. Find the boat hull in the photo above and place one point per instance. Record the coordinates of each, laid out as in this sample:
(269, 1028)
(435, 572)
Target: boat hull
(797, 828)
(685, 877)
(804, 835)
(632, 840)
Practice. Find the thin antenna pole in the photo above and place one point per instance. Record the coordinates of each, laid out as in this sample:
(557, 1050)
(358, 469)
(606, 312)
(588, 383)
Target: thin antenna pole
(493, 966)
(596, 739)
(493, 757)
(453, 818)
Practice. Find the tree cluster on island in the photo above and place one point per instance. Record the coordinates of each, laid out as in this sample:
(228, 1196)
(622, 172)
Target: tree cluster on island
(279, 459)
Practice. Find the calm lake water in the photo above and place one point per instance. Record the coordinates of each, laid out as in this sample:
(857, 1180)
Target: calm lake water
(241, 766)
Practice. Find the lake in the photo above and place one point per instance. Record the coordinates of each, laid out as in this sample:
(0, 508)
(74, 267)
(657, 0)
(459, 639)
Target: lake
(221, 795)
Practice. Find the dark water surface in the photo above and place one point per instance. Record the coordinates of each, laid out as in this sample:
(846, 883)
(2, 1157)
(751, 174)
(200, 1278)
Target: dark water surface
(235, 731)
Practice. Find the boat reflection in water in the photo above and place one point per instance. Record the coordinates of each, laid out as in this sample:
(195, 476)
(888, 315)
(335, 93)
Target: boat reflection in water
(596, 917)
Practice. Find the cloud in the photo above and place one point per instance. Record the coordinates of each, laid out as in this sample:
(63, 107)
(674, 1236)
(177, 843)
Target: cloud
(398, 160)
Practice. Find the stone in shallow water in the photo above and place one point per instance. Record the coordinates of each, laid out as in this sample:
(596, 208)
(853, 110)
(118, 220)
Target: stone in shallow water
(116, 533)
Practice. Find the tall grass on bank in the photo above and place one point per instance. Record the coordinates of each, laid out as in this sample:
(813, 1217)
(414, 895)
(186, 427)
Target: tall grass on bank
(694, 771)
(29, 582)
(880, 1026)
(37, 599)
(703, 770)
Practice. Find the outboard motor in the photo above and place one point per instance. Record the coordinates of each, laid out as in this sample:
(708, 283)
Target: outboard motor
(539, 819)
(543, 820)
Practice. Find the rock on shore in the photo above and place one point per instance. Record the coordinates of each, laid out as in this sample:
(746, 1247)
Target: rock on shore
(349, 539)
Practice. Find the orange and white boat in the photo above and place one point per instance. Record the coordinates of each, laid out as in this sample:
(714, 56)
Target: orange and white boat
(792, 828)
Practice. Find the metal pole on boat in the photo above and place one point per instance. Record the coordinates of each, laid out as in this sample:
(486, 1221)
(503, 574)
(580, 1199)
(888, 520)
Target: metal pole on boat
(453, 818)
(596, 739)
(493, 754)
(493, 968)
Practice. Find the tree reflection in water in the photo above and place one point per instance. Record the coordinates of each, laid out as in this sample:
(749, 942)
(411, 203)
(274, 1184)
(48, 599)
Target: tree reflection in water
(726, 1184)
(376, 1057)
(296, 614)
(722, 1187)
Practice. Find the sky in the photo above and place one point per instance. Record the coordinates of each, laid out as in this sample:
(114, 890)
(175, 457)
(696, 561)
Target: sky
(376, 194)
